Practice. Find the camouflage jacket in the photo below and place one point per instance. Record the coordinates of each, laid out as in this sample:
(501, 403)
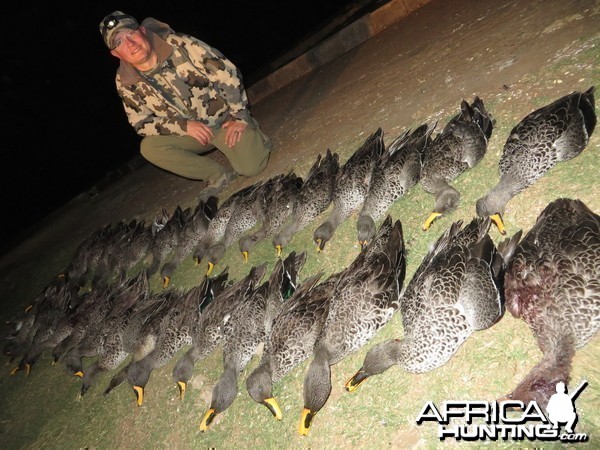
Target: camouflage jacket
(192, 81)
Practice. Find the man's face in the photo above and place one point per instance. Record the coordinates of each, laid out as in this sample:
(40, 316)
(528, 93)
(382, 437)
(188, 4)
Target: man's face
(132, 46)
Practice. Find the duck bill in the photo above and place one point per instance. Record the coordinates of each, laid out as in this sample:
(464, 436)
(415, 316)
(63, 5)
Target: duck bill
(353, 383)
(181, 385)
(363, 245)
(273, 406)
(207, 419)
(279, 250)
(432, 217)
(211, 266)
(497, 219)
(320, 245)
(166, 281)
(306, 421)
(246, 256)
(79, 374)
(139, 393)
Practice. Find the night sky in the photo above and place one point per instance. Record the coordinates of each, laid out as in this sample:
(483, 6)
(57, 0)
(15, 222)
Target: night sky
(63, 124)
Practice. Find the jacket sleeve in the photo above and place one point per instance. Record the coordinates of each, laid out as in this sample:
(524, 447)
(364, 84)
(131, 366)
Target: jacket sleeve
(143, 119)
(224, 76)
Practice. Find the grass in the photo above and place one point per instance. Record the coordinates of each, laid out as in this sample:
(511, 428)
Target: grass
(44, 411)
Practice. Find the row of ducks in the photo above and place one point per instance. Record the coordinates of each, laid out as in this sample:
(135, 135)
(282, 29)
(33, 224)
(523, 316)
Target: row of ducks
(367, 184)
(459, 287)
(549, 278)
(116, 249)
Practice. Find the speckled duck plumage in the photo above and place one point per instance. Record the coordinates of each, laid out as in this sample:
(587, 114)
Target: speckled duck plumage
(364, 299)
(315, 196)
(351, 186)
(556, 132)
(459, 147)
(455, 291)
(396, 172)
(248, 327)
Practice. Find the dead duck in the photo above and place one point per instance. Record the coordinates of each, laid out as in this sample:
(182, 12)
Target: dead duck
(292, 338)
(398, 170)
(459, 147)
(95, 305)
(455, 291)
(84, 260)
(248, 327)
(218, 224)
(315, 196)
(58, 301)
(122, 333)
(278, 205)
(96, 334)
(209, 332)
(133, 249)
(351, 186)
(552, 284)
(193, 231)
(248, 214)
(364, 299)
(123, 243)
(162, 338)
(166, 230)
(231, 221)
(556, 132)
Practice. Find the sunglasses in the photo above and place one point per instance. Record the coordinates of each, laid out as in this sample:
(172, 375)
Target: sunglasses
(129, 37)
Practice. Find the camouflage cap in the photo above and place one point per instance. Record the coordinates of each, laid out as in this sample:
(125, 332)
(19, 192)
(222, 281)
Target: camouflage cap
(115, 22)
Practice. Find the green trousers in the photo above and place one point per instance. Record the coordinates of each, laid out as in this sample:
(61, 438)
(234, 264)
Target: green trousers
(182, 155)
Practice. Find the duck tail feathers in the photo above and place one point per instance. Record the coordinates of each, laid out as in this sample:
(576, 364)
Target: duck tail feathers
(507, 247)
(587, 108)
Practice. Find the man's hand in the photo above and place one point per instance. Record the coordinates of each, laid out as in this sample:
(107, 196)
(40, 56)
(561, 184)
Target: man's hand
(200, 132)
(233, 132)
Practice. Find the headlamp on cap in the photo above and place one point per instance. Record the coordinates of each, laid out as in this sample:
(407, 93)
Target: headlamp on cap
(113, 23)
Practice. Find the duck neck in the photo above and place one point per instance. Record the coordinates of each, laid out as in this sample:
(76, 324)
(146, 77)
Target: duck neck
(317, 384)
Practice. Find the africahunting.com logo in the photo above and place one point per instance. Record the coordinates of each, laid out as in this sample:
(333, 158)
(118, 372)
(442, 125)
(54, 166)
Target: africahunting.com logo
(480, 420)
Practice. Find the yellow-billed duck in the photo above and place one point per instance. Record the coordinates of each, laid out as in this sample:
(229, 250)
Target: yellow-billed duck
(398, 170)
(455, 291)
(248, 327)
(459, 147)
(315, 196)
(209, 332)
(364, 299)
(351, 186)
(556, 132)
(292, 338)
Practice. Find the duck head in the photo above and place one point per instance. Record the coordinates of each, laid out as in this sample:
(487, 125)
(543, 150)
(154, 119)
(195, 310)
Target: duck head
(322, 235)
(492, 206)
(215, 254)
(446, 201)
(260, 387)
(366, 229)
(223, 395)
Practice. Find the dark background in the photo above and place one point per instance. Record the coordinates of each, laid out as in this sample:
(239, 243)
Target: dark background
(63, 125)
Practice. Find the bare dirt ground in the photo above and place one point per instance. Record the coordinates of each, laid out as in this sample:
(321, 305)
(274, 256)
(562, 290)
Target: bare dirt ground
(515, 55)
